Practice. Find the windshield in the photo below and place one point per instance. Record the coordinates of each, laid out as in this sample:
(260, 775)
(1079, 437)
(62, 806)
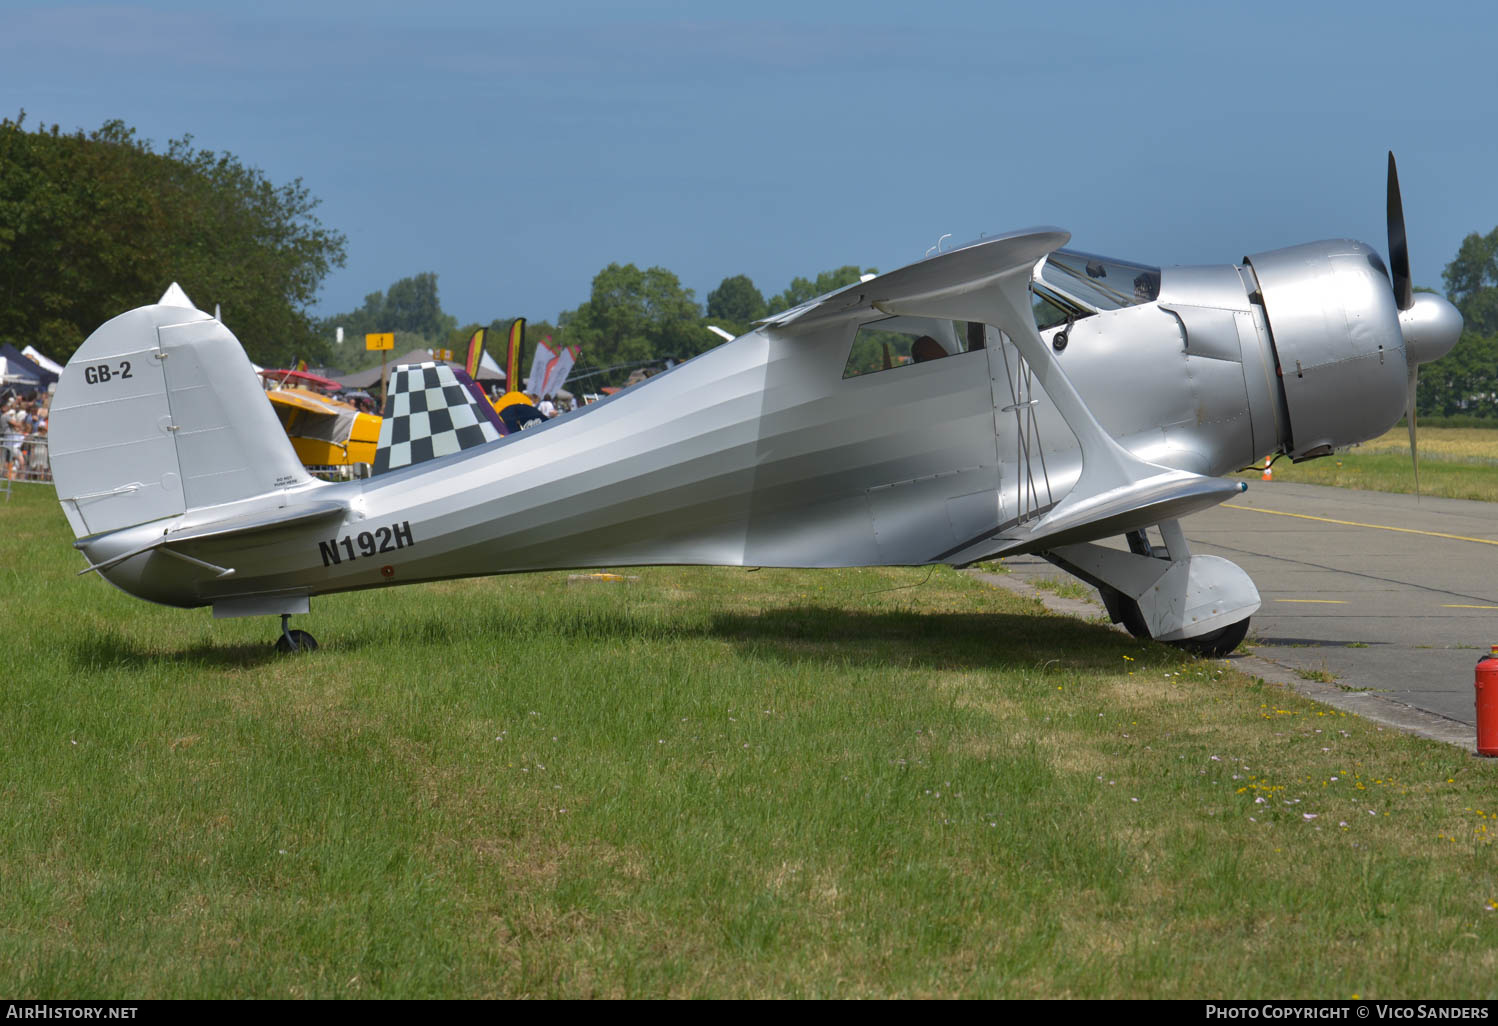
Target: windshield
(1100, 283)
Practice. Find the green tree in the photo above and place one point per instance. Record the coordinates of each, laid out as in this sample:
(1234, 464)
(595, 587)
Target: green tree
(736, 301)
(366, 320)
(1472, 282)
(410, 308)
(411, 305)
(1465, 380)
(802, 289)
(635, 316)
(94, 224)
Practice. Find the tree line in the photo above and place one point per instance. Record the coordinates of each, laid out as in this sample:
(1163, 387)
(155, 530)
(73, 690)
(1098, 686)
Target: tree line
(632, 318)
(1464, 382)
(96, 223)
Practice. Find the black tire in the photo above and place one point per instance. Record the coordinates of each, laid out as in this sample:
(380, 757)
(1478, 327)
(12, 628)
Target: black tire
(1216, 644)
(302, 641)
(1132, 619)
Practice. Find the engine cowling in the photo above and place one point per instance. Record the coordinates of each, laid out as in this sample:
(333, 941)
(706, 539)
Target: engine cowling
(1337, 339)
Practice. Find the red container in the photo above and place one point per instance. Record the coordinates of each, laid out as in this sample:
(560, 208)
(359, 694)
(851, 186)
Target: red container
(1487, 703)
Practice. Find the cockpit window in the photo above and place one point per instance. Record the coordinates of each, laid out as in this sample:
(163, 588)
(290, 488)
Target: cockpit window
(1100, 283)
(1050, 309)
(903, 341)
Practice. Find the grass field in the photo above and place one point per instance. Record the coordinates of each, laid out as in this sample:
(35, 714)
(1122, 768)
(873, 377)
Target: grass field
(1455, 463)
(700, 783)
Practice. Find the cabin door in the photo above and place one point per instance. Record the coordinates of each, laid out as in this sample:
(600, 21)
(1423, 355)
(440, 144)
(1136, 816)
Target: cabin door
(940, 463)
(1027, 431)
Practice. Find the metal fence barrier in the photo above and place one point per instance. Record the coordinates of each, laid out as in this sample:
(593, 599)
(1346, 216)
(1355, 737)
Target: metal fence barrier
(27, 460)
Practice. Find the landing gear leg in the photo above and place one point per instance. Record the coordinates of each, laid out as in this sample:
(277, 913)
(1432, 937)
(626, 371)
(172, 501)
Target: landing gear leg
(1128, 613)
(1166, 593)
(294, 641)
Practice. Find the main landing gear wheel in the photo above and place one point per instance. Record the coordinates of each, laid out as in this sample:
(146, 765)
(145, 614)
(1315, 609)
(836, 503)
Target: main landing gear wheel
(1215, 644)
(294, 641)
(1212, 645)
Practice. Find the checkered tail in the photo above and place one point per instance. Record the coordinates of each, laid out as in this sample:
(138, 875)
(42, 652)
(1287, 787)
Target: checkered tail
(432, 410)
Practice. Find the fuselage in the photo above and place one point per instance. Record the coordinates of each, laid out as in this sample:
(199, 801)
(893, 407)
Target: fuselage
(774, 450)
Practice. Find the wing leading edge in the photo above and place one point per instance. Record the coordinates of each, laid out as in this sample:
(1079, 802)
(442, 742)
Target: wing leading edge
(956, 271)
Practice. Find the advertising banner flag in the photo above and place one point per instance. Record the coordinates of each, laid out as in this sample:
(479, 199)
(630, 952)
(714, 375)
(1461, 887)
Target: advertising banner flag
(475, 353)
(537, 379)
(513, 355)
(558, 369)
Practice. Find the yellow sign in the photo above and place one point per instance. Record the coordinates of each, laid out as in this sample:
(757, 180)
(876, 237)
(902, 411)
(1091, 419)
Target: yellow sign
(385, 340)
(442, 354)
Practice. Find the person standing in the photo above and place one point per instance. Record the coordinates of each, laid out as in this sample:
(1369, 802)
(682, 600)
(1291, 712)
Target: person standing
(14, 436)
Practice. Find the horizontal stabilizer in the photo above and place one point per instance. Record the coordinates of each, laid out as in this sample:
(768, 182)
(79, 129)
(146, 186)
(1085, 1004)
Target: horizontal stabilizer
(250, 523)
(243, 524)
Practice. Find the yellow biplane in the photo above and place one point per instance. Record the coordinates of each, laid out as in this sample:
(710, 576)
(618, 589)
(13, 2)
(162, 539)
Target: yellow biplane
(332, 438)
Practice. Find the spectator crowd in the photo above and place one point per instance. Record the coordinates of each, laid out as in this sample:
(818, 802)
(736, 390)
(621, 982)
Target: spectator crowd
(23, 438)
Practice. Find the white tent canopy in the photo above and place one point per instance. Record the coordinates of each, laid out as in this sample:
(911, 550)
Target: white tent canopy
(31, 353)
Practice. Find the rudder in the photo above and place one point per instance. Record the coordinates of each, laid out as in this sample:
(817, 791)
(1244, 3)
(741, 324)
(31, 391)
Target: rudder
(158, 412)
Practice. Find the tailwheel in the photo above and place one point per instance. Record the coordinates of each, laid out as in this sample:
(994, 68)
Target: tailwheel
(294, 641)
(1215, 644)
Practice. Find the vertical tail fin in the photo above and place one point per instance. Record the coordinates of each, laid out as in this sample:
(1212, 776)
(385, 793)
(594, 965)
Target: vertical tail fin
(432, 410)
(158, 412)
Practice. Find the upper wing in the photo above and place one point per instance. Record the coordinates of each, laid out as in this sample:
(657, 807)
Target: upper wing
(314, 405)
(961, 269)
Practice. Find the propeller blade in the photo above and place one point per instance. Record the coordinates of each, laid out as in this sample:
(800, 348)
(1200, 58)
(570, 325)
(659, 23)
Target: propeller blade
(1409, 415)
(1399, 250)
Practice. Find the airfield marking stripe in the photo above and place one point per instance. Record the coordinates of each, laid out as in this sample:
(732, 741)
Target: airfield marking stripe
(1453, 606)
(1321, 602)
(1354, 523)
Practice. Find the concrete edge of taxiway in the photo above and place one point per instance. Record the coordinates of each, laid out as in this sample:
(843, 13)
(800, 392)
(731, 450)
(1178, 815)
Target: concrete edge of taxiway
(1377, 708)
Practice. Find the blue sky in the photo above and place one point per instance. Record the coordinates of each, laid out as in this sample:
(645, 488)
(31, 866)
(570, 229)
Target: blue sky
(516, 149)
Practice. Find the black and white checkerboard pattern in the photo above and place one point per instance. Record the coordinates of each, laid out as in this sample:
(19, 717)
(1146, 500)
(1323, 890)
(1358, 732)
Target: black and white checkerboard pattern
(428, 413)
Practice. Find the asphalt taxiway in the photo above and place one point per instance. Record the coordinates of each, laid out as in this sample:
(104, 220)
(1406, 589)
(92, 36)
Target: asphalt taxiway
(1384, 598)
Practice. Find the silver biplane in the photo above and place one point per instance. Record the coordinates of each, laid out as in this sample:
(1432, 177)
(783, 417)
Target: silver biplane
(1005, 396)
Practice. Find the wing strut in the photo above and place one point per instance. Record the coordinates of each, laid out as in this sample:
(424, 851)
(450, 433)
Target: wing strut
(1117, 491)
